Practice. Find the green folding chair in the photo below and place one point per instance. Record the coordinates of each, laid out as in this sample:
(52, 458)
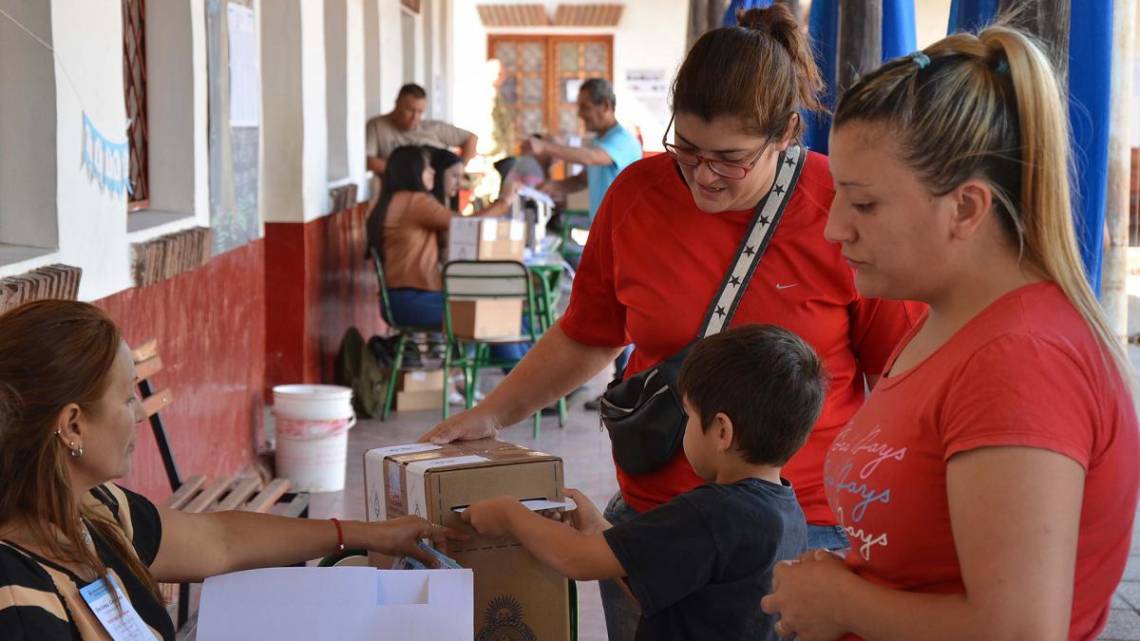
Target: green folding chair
(573, 219)
(481, 280)
(403, 334)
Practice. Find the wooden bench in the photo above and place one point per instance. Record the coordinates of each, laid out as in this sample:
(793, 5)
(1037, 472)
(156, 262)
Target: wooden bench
(245, 491)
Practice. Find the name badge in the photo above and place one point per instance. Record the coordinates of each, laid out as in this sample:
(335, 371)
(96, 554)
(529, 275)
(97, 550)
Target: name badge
(122, 622)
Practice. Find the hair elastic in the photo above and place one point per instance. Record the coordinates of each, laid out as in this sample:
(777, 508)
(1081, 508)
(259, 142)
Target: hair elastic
(920, 59)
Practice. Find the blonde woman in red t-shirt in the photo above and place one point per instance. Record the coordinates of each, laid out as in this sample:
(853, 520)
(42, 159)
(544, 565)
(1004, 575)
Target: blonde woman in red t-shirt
(989, 483)
(664, 238)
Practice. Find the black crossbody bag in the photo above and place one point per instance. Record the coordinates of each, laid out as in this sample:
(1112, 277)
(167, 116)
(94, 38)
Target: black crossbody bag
(643, 413)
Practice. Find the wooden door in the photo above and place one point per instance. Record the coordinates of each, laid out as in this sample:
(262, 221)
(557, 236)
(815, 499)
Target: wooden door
(541, 75)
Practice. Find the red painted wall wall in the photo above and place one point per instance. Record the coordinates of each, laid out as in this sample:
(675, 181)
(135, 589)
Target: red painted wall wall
(267, 313)
(210, 324)
(318, 284)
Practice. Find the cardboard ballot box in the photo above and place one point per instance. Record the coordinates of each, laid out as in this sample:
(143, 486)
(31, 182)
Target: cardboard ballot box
(472, 238)
(516, 597)
(486, 318)
(420, 390)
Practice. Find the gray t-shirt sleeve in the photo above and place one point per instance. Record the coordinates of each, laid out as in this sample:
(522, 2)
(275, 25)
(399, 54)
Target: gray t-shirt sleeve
(446, 133)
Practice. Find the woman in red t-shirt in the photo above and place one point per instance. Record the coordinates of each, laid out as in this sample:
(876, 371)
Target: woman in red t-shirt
(663, 240)
(989, 483)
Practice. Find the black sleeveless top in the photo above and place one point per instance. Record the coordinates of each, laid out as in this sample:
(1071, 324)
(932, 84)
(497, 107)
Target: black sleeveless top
(40, 599)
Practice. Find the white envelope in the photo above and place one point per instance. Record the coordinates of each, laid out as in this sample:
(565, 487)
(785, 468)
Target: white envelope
(345, 603)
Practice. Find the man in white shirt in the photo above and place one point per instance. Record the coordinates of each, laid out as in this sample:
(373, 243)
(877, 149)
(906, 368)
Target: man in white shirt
(405, 125)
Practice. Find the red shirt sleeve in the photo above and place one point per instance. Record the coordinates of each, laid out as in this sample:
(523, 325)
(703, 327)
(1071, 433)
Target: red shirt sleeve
(877, 327)
(1021, 391)
(595, 316)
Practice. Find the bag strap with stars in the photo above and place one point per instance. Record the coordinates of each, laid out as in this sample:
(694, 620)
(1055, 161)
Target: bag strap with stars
(764, 221)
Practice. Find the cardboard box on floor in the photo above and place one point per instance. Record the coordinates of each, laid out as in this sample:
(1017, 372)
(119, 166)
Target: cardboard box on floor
(486, 318)
(420, 380)
(515, 595)
(420, 390)
(472, 238)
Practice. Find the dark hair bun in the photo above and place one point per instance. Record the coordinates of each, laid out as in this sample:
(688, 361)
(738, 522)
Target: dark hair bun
(776, 21)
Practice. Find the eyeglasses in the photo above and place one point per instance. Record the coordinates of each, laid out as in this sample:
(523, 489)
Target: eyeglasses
(722, 168)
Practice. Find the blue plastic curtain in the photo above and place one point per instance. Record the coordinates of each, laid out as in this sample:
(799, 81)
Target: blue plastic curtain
(898, 40)
(1090, 54)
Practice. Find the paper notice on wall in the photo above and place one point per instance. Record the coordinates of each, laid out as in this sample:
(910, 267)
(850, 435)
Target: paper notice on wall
(650, 88)
(571, 87)
(245, 89)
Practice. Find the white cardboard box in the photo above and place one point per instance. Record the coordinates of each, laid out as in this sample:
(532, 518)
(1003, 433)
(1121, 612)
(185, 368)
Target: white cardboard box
(471, 238)
(343, 603)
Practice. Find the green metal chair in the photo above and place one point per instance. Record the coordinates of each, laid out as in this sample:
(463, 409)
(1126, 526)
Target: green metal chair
(403, 333)
(475, 280)
(573, 219)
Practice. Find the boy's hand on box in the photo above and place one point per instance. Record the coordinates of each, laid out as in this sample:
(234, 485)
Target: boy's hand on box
(399, 537)
(491, 518)
(587, 519)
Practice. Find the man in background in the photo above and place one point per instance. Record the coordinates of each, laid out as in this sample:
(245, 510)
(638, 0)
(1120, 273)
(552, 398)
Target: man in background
(405, 125)
(613, 149)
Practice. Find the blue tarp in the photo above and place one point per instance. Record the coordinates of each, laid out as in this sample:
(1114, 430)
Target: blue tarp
(898, 40)
(1090, 53)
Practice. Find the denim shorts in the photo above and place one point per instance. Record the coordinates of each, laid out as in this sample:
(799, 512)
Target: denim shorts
(827, 537)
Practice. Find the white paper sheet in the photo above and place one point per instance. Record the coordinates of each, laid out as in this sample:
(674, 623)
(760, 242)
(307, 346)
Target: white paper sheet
(347, 604)
(537, 505)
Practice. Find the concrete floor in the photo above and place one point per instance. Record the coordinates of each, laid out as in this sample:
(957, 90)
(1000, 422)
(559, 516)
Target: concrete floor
(588, 467)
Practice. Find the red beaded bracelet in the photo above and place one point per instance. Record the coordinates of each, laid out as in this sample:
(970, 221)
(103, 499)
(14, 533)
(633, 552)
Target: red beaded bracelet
(339, 536)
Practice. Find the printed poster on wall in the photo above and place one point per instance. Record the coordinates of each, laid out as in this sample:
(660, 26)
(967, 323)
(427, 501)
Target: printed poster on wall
(651, 89)
(234, 91)
(245, 90)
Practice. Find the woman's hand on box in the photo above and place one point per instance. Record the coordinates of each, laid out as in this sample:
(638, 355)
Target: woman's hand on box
(401, 537)
(471, 425)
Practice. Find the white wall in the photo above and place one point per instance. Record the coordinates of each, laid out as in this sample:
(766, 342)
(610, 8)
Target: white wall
(315, 196)
(372, 55)
(391, 57)
(27, 138)
(931, 18)
(281, 112)
(88, 78)
(355, 103)
(93, 231)
(178, 106)
(1134, 126)
(651, 35)
(336, 76)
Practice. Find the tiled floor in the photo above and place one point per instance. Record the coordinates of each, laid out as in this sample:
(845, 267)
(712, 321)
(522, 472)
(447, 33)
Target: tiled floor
(589, 468)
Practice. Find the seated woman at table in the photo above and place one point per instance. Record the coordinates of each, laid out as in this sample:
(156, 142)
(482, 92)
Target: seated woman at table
(68, 414)
(448, 170)
(404, 229)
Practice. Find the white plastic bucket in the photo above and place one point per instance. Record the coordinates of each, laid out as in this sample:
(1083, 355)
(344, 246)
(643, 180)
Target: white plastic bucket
(312, 423)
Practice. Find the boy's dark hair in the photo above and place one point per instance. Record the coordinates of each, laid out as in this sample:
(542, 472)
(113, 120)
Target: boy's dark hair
(413, 90)
(767, 380)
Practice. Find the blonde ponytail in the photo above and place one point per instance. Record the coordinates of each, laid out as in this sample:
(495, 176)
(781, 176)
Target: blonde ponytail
(989, 106)
(1050, 234)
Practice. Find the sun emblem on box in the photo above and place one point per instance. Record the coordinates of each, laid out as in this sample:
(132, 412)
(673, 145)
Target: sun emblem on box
(504, 622)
